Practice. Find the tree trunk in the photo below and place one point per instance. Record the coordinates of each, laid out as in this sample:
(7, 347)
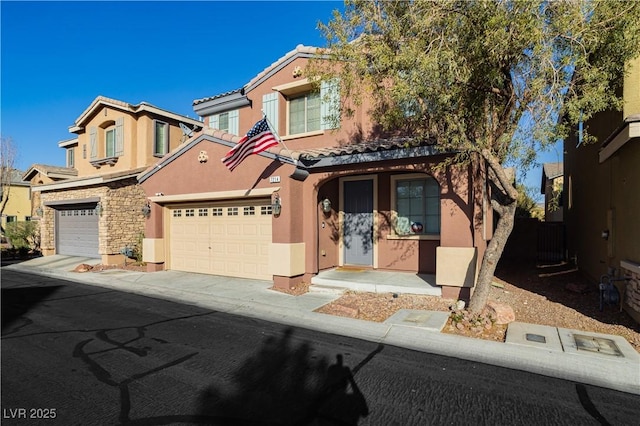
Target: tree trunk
(491, 257)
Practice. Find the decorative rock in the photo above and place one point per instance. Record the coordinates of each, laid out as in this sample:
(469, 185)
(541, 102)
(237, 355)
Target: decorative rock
(503, 314)
(83, 267)
(460, 305)
(347, 310)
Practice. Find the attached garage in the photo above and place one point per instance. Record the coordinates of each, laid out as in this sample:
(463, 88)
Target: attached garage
(230, 238)
(76, 230)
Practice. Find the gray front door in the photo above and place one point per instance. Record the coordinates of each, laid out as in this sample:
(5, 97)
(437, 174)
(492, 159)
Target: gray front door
(358, 222)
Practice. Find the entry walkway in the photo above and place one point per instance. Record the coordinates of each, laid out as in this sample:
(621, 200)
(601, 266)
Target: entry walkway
(376, 281)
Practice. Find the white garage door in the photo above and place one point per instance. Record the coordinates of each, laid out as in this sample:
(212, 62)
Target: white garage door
(230, 238)
(77, 231)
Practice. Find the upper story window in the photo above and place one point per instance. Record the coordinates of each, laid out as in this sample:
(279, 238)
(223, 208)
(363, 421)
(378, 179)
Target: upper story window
(304, 113)
(416, 203)
(106, 142)
(308, 110)
(110, 141)
(161, 138)
(70, 157)
(225, 121)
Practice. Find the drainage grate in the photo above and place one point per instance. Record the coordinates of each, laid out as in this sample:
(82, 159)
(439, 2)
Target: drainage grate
(599, 345)
(535, 338)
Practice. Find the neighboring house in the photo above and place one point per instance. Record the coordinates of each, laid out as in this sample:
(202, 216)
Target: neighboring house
(334, 196)
(551, 187)
(602, 205)
(18, 207)
(93, 207)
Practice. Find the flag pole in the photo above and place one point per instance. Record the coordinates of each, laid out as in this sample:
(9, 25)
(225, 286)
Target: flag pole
(278, 137)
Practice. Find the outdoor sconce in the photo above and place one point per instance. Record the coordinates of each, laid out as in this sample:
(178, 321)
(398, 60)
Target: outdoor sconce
(605, 234)
(98, 209)
(326, 205)
(39, 211)
(276, 207)
(146, 210)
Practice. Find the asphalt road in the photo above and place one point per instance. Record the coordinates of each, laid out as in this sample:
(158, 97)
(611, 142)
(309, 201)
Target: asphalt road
(76, 354)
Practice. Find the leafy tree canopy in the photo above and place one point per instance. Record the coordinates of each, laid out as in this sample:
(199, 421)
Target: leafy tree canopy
(499, 80)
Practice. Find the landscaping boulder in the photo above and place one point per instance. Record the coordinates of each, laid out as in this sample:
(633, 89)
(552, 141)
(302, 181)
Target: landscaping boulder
(83, 267)
(501, 313)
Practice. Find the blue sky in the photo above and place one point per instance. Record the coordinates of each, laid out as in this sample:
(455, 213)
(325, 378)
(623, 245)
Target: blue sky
(57, 57)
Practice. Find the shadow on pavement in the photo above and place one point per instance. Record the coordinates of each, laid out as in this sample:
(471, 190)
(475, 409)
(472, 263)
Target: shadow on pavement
(19, 300)
(284, 384)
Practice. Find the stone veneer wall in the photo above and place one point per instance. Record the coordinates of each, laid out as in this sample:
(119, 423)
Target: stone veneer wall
(121, 223)
(632, 294)
(122, 207)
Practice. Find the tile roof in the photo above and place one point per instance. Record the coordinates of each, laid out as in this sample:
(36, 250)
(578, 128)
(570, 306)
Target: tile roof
(221, 95)
(300, 50)
(552, 170)
(357, 148)
(46, 170)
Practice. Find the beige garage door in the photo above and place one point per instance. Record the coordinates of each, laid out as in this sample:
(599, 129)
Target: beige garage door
(230, 238)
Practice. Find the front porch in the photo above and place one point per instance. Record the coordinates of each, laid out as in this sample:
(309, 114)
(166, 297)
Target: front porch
(376, 281)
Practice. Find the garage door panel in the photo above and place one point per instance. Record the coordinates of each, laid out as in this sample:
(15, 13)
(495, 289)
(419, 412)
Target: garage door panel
(76, 231)
(222, 239)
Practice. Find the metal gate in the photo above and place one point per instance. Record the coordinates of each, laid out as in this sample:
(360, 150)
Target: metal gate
(551, 242)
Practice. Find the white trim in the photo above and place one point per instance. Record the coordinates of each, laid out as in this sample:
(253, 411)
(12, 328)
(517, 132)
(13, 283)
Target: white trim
(630, 131)
(212, 196)
(295, 87)
(68, 142)
(630, 266)
(342, 180)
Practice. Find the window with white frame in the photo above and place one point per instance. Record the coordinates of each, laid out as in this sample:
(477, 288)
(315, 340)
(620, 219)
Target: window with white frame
(309, 110)
(110, 142)
(70, 157)
(304, 113)
(161, 138)
(225, 121)
(417, 205)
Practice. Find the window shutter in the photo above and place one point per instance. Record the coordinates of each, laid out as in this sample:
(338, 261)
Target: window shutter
(119, 137)
(214, 122)
(330, 105)
(93, 142)
(270, 108)
(234, 122)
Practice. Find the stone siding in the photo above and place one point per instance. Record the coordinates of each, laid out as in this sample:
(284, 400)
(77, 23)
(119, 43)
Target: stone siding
(632, 294)
(122, 208)
(121, 222)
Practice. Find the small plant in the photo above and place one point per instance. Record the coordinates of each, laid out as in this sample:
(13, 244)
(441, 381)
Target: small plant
(463, 319)
(137, 248)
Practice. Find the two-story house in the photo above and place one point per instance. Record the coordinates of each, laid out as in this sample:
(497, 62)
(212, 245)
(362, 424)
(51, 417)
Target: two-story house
(332, 194)
(94, 206)
(601, 201)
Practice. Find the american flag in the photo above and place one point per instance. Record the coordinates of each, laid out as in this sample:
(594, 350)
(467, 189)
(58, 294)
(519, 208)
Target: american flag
(258, 139)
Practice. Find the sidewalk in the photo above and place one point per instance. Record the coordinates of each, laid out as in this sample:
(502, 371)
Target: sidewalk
(596, 359)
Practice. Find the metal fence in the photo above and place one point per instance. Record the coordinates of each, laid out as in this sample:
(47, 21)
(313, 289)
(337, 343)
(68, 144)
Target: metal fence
(552, 243)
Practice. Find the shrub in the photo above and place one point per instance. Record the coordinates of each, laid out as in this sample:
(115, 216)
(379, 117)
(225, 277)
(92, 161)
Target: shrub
(23, 235)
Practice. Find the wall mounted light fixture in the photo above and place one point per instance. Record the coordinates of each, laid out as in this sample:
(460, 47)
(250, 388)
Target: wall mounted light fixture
(146, 210)
(39, 211)
(605, 234)
(98, 209)
(326, 205)
(276, 206)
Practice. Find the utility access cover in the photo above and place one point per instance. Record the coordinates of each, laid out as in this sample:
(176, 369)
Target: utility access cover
(599, 345)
